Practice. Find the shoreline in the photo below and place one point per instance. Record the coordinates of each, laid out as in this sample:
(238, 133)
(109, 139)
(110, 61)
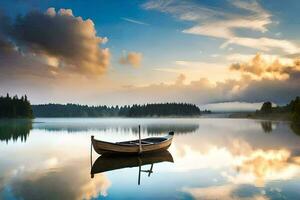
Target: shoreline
(271, 116)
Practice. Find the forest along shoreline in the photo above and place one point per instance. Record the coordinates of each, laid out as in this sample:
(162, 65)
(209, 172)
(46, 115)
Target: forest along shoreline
(16, 108)
(288, 112)
(147, 110)
(20, 108)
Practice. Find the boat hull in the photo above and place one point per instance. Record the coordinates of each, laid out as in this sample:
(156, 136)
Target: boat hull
(102, 147)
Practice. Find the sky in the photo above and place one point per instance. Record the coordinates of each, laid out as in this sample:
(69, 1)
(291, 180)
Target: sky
(133, 52)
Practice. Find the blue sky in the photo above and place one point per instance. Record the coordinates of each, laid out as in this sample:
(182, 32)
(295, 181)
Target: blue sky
(169, 43)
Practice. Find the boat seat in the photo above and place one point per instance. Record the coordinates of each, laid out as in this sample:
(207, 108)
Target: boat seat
(133, 143)
(143, 142)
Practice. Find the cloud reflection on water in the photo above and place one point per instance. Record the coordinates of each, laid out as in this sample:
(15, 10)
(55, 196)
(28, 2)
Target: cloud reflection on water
(57, 171)
(238, 162)
(225, 192)
(65, 183)
(54, 163)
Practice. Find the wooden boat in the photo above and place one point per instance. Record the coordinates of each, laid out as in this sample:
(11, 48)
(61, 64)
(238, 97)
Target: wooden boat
(147, 145)
(109, 162)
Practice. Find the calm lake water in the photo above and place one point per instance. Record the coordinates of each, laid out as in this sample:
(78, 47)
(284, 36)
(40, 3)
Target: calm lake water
(212, 159)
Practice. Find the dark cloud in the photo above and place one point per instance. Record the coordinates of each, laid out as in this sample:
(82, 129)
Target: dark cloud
(5, 45)
(59, 40)
(273, 80)
(278, 91)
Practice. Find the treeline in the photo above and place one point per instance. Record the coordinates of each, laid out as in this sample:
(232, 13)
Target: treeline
(14, 107)
(73, 110)
(148, 110)
(167, 109)
(292, 109)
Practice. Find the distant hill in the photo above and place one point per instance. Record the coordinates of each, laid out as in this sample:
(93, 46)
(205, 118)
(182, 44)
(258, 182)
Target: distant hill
(147, 110)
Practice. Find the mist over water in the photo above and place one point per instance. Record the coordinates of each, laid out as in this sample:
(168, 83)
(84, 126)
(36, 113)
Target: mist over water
(213, 158)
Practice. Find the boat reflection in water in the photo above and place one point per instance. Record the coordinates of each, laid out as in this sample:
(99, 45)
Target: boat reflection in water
(109, 162)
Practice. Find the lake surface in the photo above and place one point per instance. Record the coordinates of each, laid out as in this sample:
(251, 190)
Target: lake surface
(212, 159)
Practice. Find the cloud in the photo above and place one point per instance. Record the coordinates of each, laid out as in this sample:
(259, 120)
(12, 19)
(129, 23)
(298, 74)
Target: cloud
(262, 68)
(224, 29)
(213, 21)
(180, 79)
(223, 23)
(263, 43)
(54, 43)
(194, 70)
(183, 10)
(134, 21)
(260, 80)
(132, 58)
(237, 57)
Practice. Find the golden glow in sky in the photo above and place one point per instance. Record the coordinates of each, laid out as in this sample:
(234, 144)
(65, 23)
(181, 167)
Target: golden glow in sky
(169, 51)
